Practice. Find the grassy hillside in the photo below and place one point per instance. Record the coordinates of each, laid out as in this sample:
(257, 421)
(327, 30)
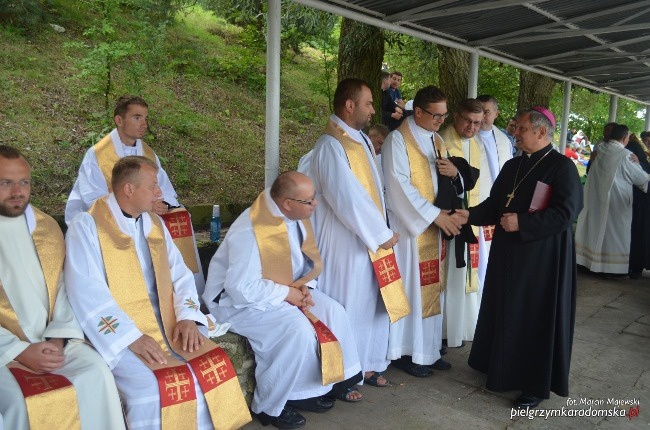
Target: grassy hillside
(206, 118)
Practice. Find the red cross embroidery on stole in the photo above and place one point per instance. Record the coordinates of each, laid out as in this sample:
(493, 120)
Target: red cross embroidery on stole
(323, 333)
(178, 224)
(386, 270)
(429, 273)
(176, 385)
(213, 369)
(488, 232)
(473, 254)
(32, 384)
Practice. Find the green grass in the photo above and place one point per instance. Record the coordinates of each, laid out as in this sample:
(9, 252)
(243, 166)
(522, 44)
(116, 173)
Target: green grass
(207, 110)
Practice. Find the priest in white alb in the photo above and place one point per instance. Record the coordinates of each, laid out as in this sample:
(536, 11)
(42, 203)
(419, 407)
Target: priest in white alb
(498, 150)
(49, 378)
(603, 231)
(94, 180)
(262, 281)
(137, 303)
(411, 165)
(463, 293)
(352, 234)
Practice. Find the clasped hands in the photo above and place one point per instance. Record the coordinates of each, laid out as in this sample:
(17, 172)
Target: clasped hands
(451, 222)
(185, 330)
(300, 297)
(43, 357)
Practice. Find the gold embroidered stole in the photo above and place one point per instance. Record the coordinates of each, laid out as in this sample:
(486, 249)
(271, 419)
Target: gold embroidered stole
(455, 149)
(107, 157)
(211, 365)
(179, 222)
(43, 392)
(428, 241)
(275, 255)
(383, 261)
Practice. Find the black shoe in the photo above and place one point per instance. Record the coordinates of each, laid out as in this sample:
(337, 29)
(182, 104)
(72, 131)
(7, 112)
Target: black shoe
(440, 365)
(313, 404)
(527, 401)
(443, 350)
(288, 419)
(417, 370)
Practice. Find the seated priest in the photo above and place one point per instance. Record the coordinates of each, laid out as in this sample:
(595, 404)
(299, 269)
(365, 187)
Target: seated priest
(137, 303)
(94, 180)
(262, 279)
(49, 378)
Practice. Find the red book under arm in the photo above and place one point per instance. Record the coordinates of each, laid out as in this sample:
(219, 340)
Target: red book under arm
(541, 197)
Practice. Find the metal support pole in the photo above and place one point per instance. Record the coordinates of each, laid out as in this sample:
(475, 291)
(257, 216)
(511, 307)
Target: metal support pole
(566, 111)
(272, 135)
(472, 81)
(647, 118)
(613, 106)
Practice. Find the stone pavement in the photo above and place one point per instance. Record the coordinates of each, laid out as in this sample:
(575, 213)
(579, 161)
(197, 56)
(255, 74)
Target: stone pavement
(611, 360)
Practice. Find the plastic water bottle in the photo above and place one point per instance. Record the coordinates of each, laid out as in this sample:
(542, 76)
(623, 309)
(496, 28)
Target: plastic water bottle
(215, 224)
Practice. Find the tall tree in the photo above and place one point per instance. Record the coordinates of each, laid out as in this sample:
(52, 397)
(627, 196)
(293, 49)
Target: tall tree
(361, 52)
(453, 68)
(534, 90)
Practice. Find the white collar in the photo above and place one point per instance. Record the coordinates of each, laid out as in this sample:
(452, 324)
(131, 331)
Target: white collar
(356, 135)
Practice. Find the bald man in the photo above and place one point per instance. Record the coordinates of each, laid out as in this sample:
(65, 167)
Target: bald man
(262, 281)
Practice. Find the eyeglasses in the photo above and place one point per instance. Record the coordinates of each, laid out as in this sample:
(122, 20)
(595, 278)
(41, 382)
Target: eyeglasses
(304, 202)
(6, 184)
(436, 116)
(470, 122)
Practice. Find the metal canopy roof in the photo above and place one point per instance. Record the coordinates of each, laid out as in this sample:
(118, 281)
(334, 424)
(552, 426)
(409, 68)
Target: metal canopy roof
(600, 44)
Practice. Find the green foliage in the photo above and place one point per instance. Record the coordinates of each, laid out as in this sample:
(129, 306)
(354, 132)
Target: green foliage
(590, 111)
(241, 67)
(327, 47)
(23, 14)
(304, 25)
(207, 129)
(300, 25)
(502, 82)
(416, 59)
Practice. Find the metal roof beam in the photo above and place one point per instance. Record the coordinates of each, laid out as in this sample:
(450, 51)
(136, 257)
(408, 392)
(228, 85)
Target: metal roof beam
(581, 55)
(631, 17)
(572, 20)
(477, 7)
(628, 80)
(570, 33)
(500, 57)
(608, 67)
(408, 13)
(619, 43)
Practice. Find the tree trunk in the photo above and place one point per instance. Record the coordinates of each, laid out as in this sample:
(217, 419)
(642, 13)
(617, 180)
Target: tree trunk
(361, 52)
(534, 90)
(453, 68)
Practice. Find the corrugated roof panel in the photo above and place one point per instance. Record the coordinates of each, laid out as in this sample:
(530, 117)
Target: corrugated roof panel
(478, 23)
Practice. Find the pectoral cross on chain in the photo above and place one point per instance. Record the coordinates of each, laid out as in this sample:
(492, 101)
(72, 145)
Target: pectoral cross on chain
(510, 197)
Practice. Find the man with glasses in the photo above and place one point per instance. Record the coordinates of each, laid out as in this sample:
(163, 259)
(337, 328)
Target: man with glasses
(41, 343)
(94, 180)
(462, 296)
(411, 163)
(262, 281)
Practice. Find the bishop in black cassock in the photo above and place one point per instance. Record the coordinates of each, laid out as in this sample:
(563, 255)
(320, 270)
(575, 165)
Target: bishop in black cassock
(525, 325)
